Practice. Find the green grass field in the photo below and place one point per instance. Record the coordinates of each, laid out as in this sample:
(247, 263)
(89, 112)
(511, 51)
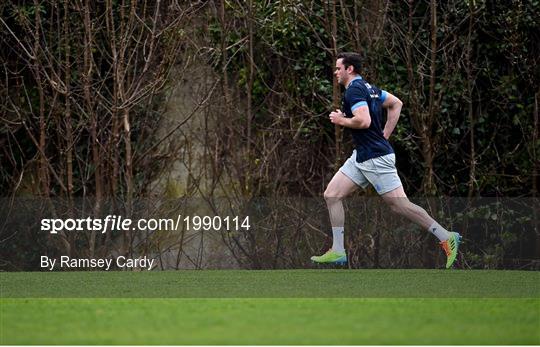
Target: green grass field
(271, 307)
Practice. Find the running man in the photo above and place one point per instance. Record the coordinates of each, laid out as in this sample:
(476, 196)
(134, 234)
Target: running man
(373, 160)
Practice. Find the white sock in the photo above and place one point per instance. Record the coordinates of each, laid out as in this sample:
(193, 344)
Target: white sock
(337, 245)
(437, 230)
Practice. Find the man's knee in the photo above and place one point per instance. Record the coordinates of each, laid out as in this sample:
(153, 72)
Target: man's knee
(339, 187)
(397, 209)
(398, 205)
(332, 195)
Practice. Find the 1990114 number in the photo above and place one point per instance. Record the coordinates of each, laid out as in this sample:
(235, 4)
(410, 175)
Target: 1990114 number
(206, 223)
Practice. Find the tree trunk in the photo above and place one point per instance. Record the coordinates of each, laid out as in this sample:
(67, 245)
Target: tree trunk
(43, 167)
(96, 152)
(470, 81)
(67, 112)
(535, 173)
(249, 91)
(428, 146)
(338, 131)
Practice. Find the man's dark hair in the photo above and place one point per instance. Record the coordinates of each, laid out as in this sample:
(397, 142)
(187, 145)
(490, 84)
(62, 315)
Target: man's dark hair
(349, 59)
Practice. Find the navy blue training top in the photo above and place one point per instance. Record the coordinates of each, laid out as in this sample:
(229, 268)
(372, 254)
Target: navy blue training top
(370, 143)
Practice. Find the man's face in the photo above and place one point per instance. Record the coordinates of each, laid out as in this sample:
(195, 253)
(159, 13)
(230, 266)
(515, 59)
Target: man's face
(341, 73)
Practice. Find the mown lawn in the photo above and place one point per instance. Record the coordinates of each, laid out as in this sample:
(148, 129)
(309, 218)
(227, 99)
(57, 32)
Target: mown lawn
(271, 307)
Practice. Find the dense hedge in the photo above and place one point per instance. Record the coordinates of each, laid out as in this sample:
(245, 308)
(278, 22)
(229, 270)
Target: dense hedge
(84, 86)
(470, 131)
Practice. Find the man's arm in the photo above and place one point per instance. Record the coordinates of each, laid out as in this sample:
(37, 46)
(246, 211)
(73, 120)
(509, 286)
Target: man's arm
(360, 120)
(393, 106)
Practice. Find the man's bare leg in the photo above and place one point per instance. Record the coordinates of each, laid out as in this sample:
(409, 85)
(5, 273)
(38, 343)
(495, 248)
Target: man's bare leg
(400, 204)
(339, 187)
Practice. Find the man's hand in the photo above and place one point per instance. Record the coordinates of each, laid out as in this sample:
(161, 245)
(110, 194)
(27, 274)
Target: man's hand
(359, 120)
(337, 117)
